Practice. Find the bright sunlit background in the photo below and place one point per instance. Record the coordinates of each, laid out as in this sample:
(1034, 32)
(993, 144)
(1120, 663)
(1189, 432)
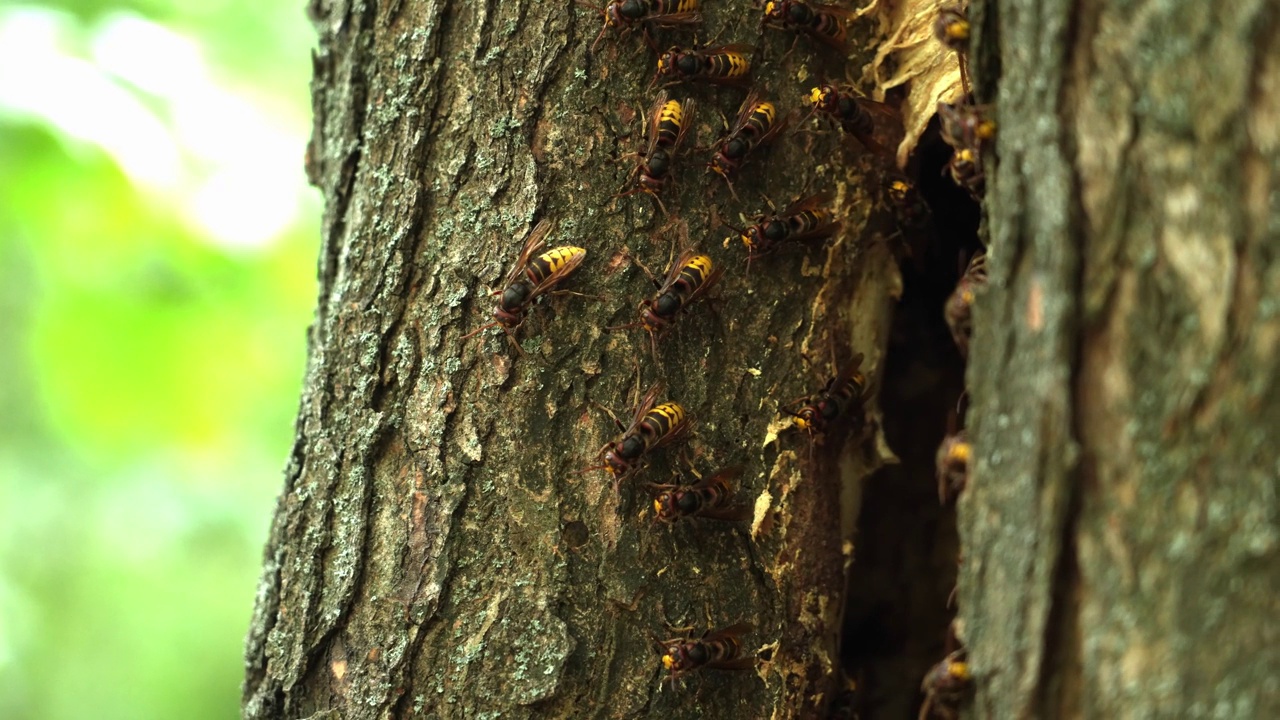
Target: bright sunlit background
(157, 273)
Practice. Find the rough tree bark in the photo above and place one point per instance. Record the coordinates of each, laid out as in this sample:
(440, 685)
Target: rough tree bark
(1120, 529)
(437, 551)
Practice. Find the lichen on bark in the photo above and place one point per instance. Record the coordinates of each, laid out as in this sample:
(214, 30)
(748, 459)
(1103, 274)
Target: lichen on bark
(438, 549)
(1118, 562)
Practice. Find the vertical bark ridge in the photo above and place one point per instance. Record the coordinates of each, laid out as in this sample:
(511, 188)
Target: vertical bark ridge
(1163, 589)
(1014, 515)
(437, 549)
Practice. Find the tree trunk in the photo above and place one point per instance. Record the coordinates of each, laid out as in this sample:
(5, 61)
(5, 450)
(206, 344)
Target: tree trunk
(438, 550)
(1120, 528)
(442, 550)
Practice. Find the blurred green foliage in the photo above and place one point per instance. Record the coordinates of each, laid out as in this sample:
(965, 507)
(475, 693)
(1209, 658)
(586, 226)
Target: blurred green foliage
(157, 275)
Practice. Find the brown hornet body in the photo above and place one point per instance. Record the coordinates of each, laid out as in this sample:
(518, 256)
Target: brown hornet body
(709, 498)
(966, 125)
(836, 400)
(805, 219)
(958, 309)
(626, 15)
(912, 211)
(871, 123)
(945, 686)
(965, 169)
(719, 649)
(970, 131)
(953, 465)
(825, 23)
(951, 28)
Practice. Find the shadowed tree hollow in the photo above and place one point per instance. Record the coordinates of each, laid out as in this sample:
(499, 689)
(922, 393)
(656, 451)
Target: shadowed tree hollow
(446, 545)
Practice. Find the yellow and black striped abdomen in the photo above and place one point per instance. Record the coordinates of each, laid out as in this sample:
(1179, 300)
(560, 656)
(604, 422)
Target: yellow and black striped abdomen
(716, 492)
(553, 261)
(809, 220)
(695, 272)
(829, 25)
(662, 420)
(670, 120)
(671, 7)
(725, 648)
(851, 389)
(728, 64)
(762, 117)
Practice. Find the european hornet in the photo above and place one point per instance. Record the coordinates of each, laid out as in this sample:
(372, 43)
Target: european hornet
(718, 649)
(951, 28)
(841, 395)
(874, 124)
(626, 14)
(669, 122)
(966, 125)
(945, 686)
(825, 23)
(966, 171)
(691, 275)
(912, 216)
(958, 309)
(912, 210)
(529, 278)
(709, 498)
(652, 426)
(804, 219)
(953, 465)
(967, 129)
(757, 124)
(723, 64)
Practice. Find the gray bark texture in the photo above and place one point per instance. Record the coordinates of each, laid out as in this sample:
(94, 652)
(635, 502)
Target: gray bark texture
(437, 550)
(1120, 532)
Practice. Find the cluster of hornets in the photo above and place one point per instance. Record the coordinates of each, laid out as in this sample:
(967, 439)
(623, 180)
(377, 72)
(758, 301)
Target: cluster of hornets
(538, 271)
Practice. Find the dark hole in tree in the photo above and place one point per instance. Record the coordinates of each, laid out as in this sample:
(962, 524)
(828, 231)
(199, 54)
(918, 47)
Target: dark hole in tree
(575, 534)
(897, 615)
